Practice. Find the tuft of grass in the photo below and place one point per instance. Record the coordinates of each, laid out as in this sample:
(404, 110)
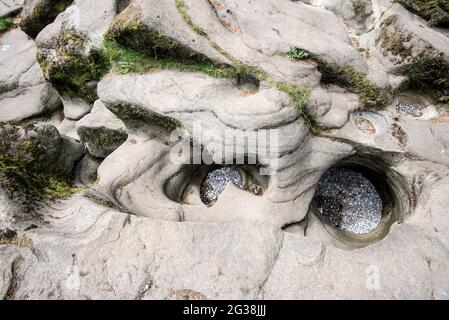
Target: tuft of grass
(6, 23)
(298, 54)
(127, 60)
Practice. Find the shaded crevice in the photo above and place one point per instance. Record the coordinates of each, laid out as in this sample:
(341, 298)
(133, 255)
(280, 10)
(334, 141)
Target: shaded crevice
(15, 279)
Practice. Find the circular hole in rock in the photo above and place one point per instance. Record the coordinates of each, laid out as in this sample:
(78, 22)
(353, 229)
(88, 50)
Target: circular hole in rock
(347, 200)
(359, 199)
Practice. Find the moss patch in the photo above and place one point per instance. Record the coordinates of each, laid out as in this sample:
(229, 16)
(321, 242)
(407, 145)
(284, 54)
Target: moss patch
(183, 10)
(394, 41)
(435, 11)
(102, 141)
(359, 7)
(30, 165)
(429, 74)
(370, 96)
(127, 60)
(131, 33)
(72, 73)
(129, 112)
(300, 97)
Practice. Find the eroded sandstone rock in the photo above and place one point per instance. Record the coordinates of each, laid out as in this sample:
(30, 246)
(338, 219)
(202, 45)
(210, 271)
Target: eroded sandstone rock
(354, 85)
(24, 93)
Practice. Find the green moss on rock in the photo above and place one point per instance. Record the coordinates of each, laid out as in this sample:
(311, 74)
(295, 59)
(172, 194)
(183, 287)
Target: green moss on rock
(32, 162)
(359, 7)
(393, 40)
(131, 33)
(126, 60)
(102, 141)
(129, 112)
(370, 96)
(429, 74)
(72, 73)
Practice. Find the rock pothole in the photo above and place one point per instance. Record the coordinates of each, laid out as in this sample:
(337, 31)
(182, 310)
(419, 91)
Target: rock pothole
(359, 199)
(347, 200)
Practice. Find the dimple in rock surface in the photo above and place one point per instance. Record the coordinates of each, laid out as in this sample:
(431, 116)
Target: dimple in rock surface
(349, 201)
(365, 125)
(409, 109)
(215, 183)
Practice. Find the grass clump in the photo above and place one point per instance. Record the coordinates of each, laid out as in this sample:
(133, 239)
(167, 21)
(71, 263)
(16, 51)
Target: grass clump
(126, 60)
(298, 54)
(426, 70)
(6, 23)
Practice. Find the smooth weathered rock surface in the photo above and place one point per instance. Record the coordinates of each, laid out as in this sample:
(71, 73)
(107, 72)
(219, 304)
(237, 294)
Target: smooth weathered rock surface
(8, 7)
(24, 93)
(293, 88)
(75, 109)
